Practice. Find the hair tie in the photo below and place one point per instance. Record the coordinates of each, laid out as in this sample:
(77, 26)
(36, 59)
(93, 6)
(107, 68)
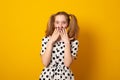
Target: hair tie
(70, 16)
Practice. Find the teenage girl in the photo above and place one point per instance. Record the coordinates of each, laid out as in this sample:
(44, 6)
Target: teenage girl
(59, 47)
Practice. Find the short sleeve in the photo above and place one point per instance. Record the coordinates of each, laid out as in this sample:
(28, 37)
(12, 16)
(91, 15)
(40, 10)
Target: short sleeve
(44, 44)
(74, 48)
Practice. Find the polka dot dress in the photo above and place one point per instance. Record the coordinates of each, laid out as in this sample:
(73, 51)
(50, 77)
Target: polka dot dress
(56, 69)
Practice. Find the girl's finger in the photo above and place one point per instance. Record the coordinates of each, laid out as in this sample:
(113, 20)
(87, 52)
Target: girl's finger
(63, 30)
(61, 33)
(54, 31)
(57, 29)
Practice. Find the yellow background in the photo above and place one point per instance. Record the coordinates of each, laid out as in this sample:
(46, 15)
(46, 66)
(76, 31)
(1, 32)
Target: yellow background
(22, 25)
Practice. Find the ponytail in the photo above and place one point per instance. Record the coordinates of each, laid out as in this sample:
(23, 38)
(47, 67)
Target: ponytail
(50, 26)
(73, 27)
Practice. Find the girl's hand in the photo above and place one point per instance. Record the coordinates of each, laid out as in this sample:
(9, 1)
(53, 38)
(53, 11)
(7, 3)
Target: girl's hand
(64, 35)
(54, 36)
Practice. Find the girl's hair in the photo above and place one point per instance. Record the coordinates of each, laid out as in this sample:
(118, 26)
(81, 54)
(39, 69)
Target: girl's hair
(73, 27)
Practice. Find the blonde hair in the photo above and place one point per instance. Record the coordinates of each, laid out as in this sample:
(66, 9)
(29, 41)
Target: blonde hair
(73, 27)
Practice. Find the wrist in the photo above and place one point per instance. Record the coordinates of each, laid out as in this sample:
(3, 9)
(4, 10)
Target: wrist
(67, 42)
(51, 42)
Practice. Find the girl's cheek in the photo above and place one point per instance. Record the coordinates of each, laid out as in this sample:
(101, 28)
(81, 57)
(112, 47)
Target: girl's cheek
(65, 26)
(56, 26)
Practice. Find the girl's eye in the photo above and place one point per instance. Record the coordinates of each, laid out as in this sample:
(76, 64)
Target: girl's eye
(57, 22)
(64, 22)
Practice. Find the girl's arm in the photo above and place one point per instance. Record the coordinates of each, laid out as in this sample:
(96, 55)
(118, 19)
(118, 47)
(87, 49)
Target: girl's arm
(67, 56)
(46, 57)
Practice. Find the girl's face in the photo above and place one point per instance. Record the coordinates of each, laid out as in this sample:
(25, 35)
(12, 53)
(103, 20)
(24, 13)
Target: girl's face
(60, 22)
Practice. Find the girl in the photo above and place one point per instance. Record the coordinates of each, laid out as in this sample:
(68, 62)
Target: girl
(59, 47)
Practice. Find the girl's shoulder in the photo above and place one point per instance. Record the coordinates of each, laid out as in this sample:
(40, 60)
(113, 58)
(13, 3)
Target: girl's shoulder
(45, 38)
(73, 40)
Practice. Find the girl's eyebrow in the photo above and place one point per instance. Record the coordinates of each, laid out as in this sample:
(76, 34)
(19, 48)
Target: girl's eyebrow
(59, 21)
(64, 21)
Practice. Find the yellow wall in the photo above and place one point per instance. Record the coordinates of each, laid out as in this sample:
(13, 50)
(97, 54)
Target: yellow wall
(22, 25)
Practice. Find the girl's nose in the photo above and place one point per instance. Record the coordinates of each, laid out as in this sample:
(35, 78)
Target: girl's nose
(60, 26)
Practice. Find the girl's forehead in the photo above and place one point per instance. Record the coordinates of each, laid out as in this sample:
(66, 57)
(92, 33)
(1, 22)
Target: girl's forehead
(60, 17)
